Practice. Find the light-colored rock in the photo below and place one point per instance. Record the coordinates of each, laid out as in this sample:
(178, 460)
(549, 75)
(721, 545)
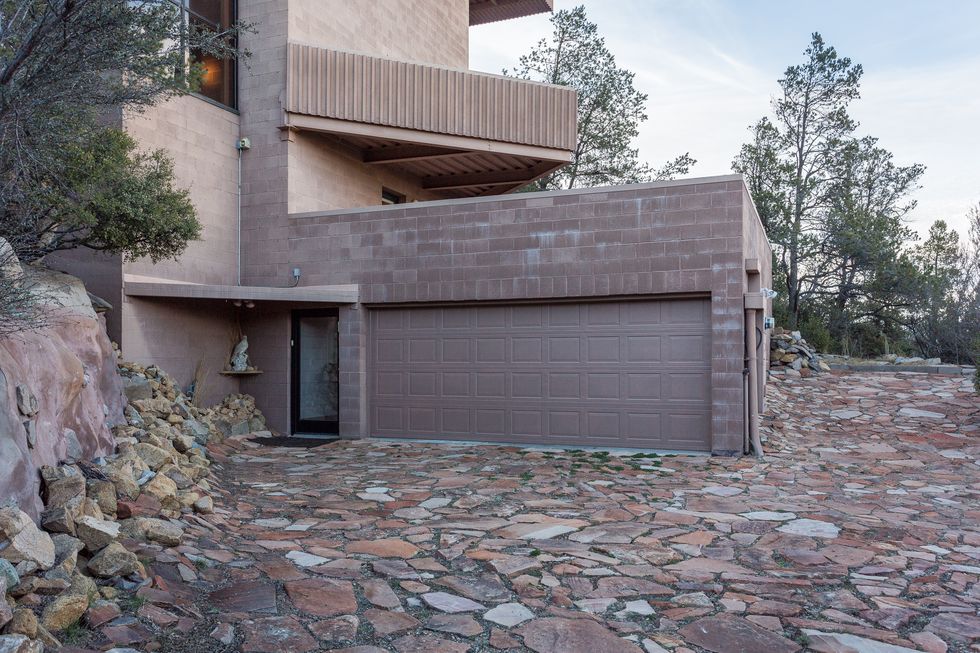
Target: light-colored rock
(161, 487)
(446, 602)
(303, 559)
(204, 505)
(114, 560)
(64, 611)
(19, 644)
(916, 412)
(508, 614)
(96, 534)
(767, 515)
(810, 528)
(821, 642)
(21, 540)
(163, 532)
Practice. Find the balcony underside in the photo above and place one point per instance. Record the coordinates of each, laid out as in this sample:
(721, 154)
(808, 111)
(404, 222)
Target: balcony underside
(446, 166)
(461, 133)
(490, 11)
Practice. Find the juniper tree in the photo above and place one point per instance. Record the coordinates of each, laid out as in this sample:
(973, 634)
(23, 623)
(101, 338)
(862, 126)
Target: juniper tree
(68, 176)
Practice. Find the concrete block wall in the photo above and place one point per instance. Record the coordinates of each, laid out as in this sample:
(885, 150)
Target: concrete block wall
(670, 238)
(420, 31)
(200, 138)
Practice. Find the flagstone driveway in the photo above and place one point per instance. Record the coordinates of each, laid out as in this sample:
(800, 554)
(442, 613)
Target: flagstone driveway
(862, 526)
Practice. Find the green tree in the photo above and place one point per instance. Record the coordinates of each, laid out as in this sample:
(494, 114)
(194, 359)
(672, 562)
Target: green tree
(67, 67)
(610, 108)
(946, 319)
(864, 271)
(792, 162)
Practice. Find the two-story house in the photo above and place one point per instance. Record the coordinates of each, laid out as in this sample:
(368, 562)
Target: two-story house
(355, 184)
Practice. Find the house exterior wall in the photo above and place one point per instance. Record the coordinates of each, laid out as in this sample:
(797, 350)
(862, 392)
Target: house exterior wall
(655, 240)
(176, 334)
(200, 139)
(419, 31)
(325, 175)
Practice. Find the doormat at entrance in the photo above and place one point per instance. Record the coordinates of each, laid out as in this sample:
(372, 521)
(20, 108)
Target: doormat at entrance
(283, 441)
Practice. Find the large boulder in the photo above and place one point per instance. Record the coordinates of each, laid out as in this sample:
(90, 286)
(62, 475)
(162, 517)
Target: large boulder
(70, 370)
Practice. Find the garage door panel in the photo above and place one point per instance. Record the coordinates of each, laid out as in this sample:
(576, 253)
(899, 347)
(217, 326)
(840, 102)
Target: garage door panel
(603, 349)
(608, 374)
(492, 385)
(422, 350)
(456, 421)
(643, 349)
(527, 423)
(686, 348)
(423, 419)
(602, 386)
(603, 424)
(565, 423)
(643, 386)
(564, 315)
(684, 429)
(456, 384)
(528, 315)
(689, 386)
(688, 311)
(564, 385)
(527, 349)
(491, 421)
(527, 385)
(456, 350)
(644, 313)
(603, 314)
(422, 384)
(566, 349)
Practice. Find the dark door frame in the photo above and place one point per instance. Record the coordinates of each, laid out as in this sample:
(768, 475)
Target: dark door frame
(296, 425)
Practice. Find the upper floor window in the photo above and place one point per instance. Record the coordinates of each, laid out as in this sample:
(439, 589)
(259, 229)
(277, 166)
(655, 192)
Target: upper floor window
(389, 196)
(218, 75)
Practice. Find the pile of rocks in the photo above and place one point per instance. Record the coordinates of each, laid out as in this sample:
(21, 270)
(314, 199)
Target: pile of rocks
(237, 415)
(791, 355)
(152, 391)
(72, 570)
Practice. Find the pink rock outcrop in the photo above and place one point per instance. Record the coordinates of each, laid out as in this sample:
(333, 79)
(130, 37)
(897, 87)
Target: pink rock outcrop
(70, 367)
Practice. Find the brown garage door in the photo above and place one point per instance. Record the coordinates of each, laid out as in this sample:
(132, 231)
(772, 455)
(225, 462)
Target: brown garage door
(626, 374)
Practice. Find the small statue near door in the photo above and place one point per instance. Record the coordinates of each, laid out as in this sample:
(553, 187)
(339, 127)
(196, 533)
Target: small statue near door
(239, 356)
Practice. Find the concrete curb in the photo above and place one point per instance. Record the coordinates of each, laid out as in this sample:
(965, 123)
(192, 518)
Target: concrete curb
(945, 370)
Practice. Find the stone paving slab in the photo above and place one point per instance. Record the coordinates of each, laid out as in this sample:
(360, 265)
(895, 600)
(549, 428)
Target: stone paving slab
(860, 531)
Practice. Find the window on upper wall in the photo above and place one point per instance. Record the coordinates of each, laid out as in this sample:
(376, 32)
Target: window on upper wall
(391, 197)
(219, 76)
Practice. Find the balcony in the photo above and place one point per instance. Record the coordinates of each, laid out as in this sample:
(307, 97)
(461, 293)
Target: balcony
(461, 133)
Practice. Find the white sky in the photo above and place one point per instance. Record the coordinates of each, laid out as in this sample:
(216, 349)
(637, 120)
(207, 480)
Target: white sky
(710, 68)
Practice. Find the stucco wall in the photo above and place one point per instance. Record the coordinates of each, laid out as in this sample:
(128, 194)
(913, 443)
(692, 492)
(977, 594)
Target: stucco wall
(325, 175)
(200, 138)
(176, 334)
(420, 31)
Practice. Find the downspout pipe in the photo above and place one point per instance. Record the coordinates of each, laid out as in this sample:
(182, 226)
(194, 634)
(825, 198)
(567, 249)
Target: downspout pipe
(751, 345)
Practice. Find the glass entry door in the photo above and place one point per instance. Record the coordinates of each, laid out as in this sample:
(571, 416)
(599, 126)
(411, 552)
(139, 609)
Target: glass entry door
(315, 372)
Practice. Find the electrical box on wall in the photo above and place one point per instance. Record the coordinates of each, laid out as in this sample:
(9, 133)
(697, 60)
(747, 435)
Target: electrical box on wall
(769, 323)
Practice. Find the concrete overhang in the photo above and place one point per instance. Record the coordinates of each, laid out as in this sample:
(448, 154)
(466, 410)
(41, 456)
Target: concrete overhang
(163, 289)
(459, 132)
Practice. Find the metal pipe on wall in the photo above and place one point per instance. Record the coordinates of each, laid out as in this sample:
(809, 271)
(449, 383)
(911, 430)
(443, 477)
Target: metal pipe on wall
(751, 344)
